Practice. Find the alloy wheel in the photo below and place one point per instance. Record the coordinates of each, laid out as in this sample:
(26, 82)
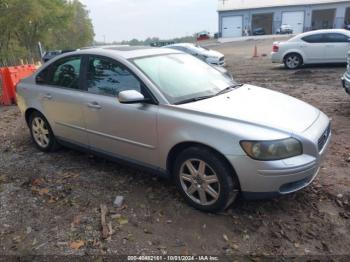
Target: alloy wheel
(293, 61)
(200, 182)
(41, 133)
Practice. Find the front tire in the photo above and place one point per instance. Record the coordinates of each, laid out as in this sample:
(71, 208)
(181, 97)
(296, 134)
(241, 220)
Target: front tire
(41, 133)
(293, 61)
(204, 179)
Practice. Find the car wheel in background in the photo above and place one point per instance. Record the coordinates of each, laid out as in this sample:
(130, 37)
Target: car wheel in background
(293, 61)
(205, 179)
(41, 133)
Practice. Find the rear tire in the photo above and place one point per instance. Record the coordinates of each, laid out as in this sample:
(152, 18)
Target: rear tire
(204, 179)
(41, 133)
(293, 61)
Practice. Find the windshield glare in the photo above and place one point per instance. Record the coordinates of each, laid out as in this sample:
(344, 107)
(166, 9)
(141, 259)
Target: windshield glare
(181, 77)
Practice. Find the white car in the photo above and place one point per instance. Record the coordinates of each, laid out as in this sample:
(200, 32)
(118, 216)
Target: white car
(314, 47)
(285, 29)
(209, 56)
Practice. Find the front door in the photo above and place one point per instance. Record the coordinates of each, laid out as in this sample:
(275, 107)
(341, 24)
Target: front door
(127, 131)
(337, 47)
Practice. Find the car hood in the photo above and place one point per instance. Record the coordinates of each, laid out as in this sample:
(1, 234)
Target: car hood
(259, 106)
(212, 53)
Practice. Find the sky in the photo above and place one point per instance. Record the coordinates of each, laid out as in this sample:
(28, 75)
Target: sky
(117, 20)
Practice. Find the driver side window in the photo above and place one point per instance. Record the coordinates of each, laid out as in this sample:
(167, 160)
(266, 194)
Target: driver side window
(106, 77)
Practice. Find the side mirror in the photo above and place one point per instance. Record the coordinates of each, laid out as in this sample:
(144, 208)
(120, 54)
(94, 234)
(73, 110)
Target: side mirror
(131, 97)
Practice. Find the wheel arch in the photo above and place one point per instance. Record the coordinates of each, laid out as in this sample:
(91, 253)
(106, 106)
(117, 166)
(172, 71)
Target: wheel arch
(29, 112)
(177, 149)
(290, 52)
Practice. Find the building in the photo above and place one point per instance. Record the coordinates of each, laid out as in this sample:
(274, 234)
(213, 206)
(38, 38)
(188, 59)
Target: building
(239, 17)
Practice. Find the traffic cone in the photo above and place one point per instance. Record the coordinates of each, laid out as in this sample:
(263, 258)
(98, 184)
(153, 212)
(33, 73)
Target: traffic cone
(255, 51)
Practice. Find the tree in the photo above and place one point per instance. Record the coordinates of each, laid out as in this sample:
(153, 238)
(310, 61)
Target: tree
(57, 24)
(79, 31)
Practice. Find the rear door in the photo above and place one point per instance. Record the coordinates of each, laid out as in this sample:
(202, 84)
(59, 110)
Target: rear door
(61, 97)
(127, 131)
(314, 48)
(337, 47)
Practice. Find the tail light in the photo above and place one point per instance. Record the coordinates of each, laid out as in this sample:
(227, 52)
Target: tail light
(275, 48)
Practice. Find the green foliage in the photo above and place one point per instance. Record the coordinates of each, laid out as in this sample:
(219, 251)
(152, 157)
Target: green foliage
(57, 24)
(151, 40)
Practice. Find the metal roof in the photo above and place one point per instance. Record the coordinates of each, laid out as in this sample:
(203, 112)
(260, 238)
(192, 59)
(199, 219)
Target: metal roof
(227, 5)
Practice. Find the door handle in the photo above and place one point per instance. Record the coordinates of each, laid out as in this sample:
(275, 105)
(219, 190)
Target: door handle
(94, 105)
(47, 96)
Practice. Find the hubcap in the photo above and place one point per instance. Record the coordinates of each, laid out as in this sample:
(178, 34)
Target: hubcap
(200, 182)
(40, 132)
(293, 61)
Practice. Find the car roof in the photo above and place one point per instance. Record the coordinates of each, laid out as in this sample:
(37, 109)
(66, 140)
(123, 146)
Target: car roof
(126, 52)
(324, 31)
(190, 45)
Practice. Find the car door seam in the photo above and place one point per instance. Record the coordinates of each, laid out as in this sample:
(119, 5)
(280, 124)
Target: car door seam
(108, 136)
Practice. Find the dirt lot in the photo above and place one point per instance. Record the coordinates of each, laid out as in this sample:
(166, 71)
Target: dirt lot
(50, 203)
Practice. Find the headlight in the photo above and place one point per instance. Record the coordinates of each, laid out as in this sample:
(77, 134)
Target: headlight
(272, 150)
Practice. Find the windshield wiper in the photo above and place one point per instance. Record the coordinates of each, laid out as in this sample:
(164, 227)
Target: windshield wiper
(228, 89)
(194, 99)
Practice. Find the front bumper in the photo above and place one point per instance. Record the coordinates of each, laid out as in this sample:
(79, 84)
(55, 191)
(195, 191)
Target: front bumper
(346, 82)
(266, 179)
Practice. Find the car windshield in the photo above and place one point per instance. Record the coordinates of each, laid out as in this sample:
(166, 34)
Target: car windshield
(201, 48)
(182, 77)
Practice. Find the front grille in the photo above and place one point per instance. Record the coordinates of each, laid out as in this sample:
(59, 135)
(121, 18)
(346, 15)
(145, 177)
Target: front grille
(324, 137)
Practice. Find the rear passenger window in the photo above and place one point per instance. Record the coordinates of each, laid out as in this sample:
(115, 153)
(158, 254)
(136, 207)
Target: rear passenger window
(318, 38)
(106, 77)
(336, 38)
(63, 73)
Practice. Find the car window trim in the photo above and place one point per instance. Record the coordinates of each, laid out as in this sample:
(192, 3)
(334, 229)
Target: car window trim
(50, 72)
(336, 33)
(85, 74)
(321, 42)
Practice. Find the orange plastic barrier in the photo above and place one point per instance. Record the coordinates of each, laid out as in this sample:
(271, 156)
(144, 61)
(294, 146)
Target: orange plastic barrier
(9, 78)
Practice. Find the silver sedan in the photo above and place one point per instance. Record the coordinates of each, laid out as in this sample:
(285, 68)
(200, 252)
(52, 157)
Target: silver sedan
(172, 113)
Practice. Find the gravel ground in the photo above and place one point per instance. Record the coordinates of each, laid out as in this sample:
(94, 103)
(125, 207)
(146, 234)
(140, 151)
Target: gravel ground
(50, 203)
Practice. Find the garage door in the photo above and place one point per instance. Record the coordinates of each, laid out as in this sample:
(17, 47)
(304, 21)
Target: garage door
(295, 20)
(232, 26)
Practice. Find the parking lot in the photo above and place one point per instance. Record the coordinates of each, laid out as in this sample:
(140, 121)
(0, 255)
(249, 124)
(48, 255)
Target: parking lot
(50, 203)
